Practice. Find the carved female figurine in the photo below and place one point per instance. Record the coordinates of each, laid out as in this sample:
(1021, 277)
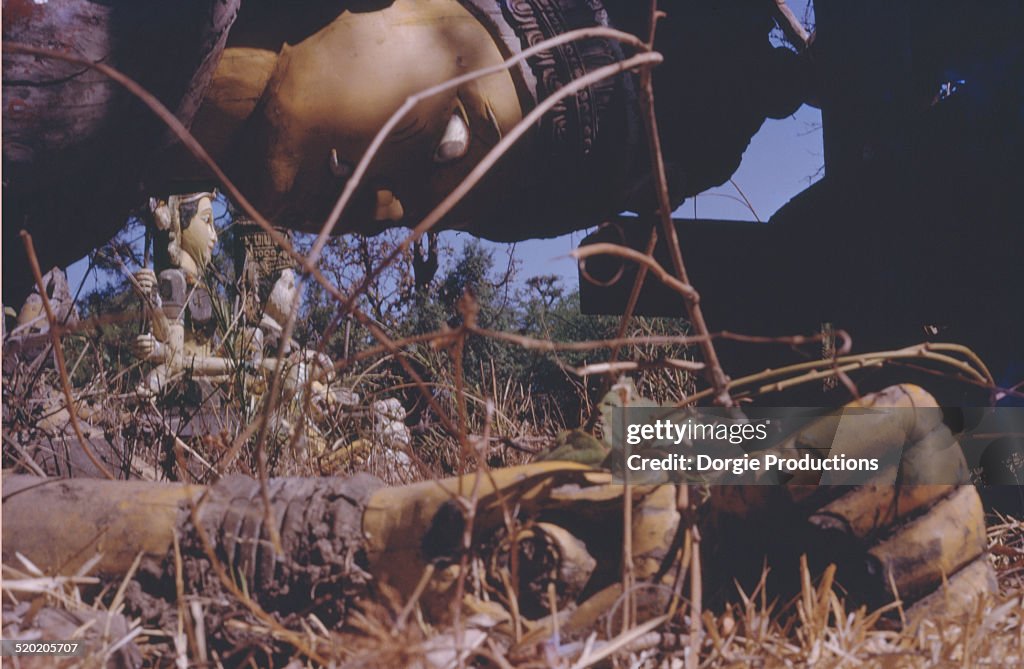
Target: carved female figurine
(182, 337)
(181, 308)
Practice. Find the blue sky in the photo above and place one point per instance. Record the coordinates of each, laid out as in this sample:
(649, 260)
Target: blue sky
(782, 160)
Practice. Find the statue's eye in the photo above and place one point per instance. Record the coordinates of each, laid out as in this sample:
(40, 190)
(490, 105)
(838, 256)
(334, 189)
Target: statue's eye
(455, 141)
(339, 168)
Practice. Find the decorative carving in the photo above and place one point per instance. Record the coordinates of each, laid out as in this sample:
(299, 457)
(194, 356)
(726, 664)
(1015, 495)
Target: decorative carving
(573, 124)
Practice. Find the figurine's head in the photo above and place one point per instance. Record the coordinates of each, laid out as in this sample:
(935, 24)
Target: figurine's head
(198, 233)
(191, 233)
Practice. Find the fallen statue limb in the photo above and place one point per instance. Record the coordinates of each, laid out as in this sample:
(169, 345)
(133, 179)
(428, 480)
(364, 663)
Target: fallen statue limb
(550, 529)
(336, 534)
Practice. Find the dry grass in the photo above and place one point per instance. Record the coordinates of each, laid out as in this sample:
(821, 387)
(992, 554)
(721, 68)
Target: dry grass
(755, 630)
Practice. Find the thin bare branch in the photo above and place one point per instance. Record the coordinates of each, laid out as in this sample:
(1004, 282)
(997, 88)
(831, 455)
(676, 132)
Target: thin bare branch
(622, 366)
(58, 353)
(648, 261)
(714, 373)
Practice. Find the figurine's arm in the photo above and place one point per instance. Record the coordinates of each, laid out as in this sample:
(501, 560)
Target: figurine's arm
(149, 347)
(144, 281)
(209, 366)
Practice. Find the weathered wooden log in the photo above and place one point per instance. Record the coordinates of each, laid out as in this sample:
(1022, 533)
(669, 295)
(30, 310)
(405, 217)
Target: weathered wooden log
(60, 524)
(334, 533)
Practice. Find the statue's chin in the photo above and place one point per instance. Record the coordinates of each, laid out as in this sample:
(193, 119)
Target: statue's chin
(190, 267)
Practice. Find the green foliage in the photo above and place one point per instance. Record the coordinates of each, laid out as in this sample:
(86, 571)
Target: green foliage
(540, 308)
(578, 446)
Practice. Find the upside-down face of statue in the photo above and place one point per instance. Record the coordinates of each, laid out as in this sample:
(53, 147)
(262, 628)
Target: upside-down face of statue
(297, 100)
(323, 96)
